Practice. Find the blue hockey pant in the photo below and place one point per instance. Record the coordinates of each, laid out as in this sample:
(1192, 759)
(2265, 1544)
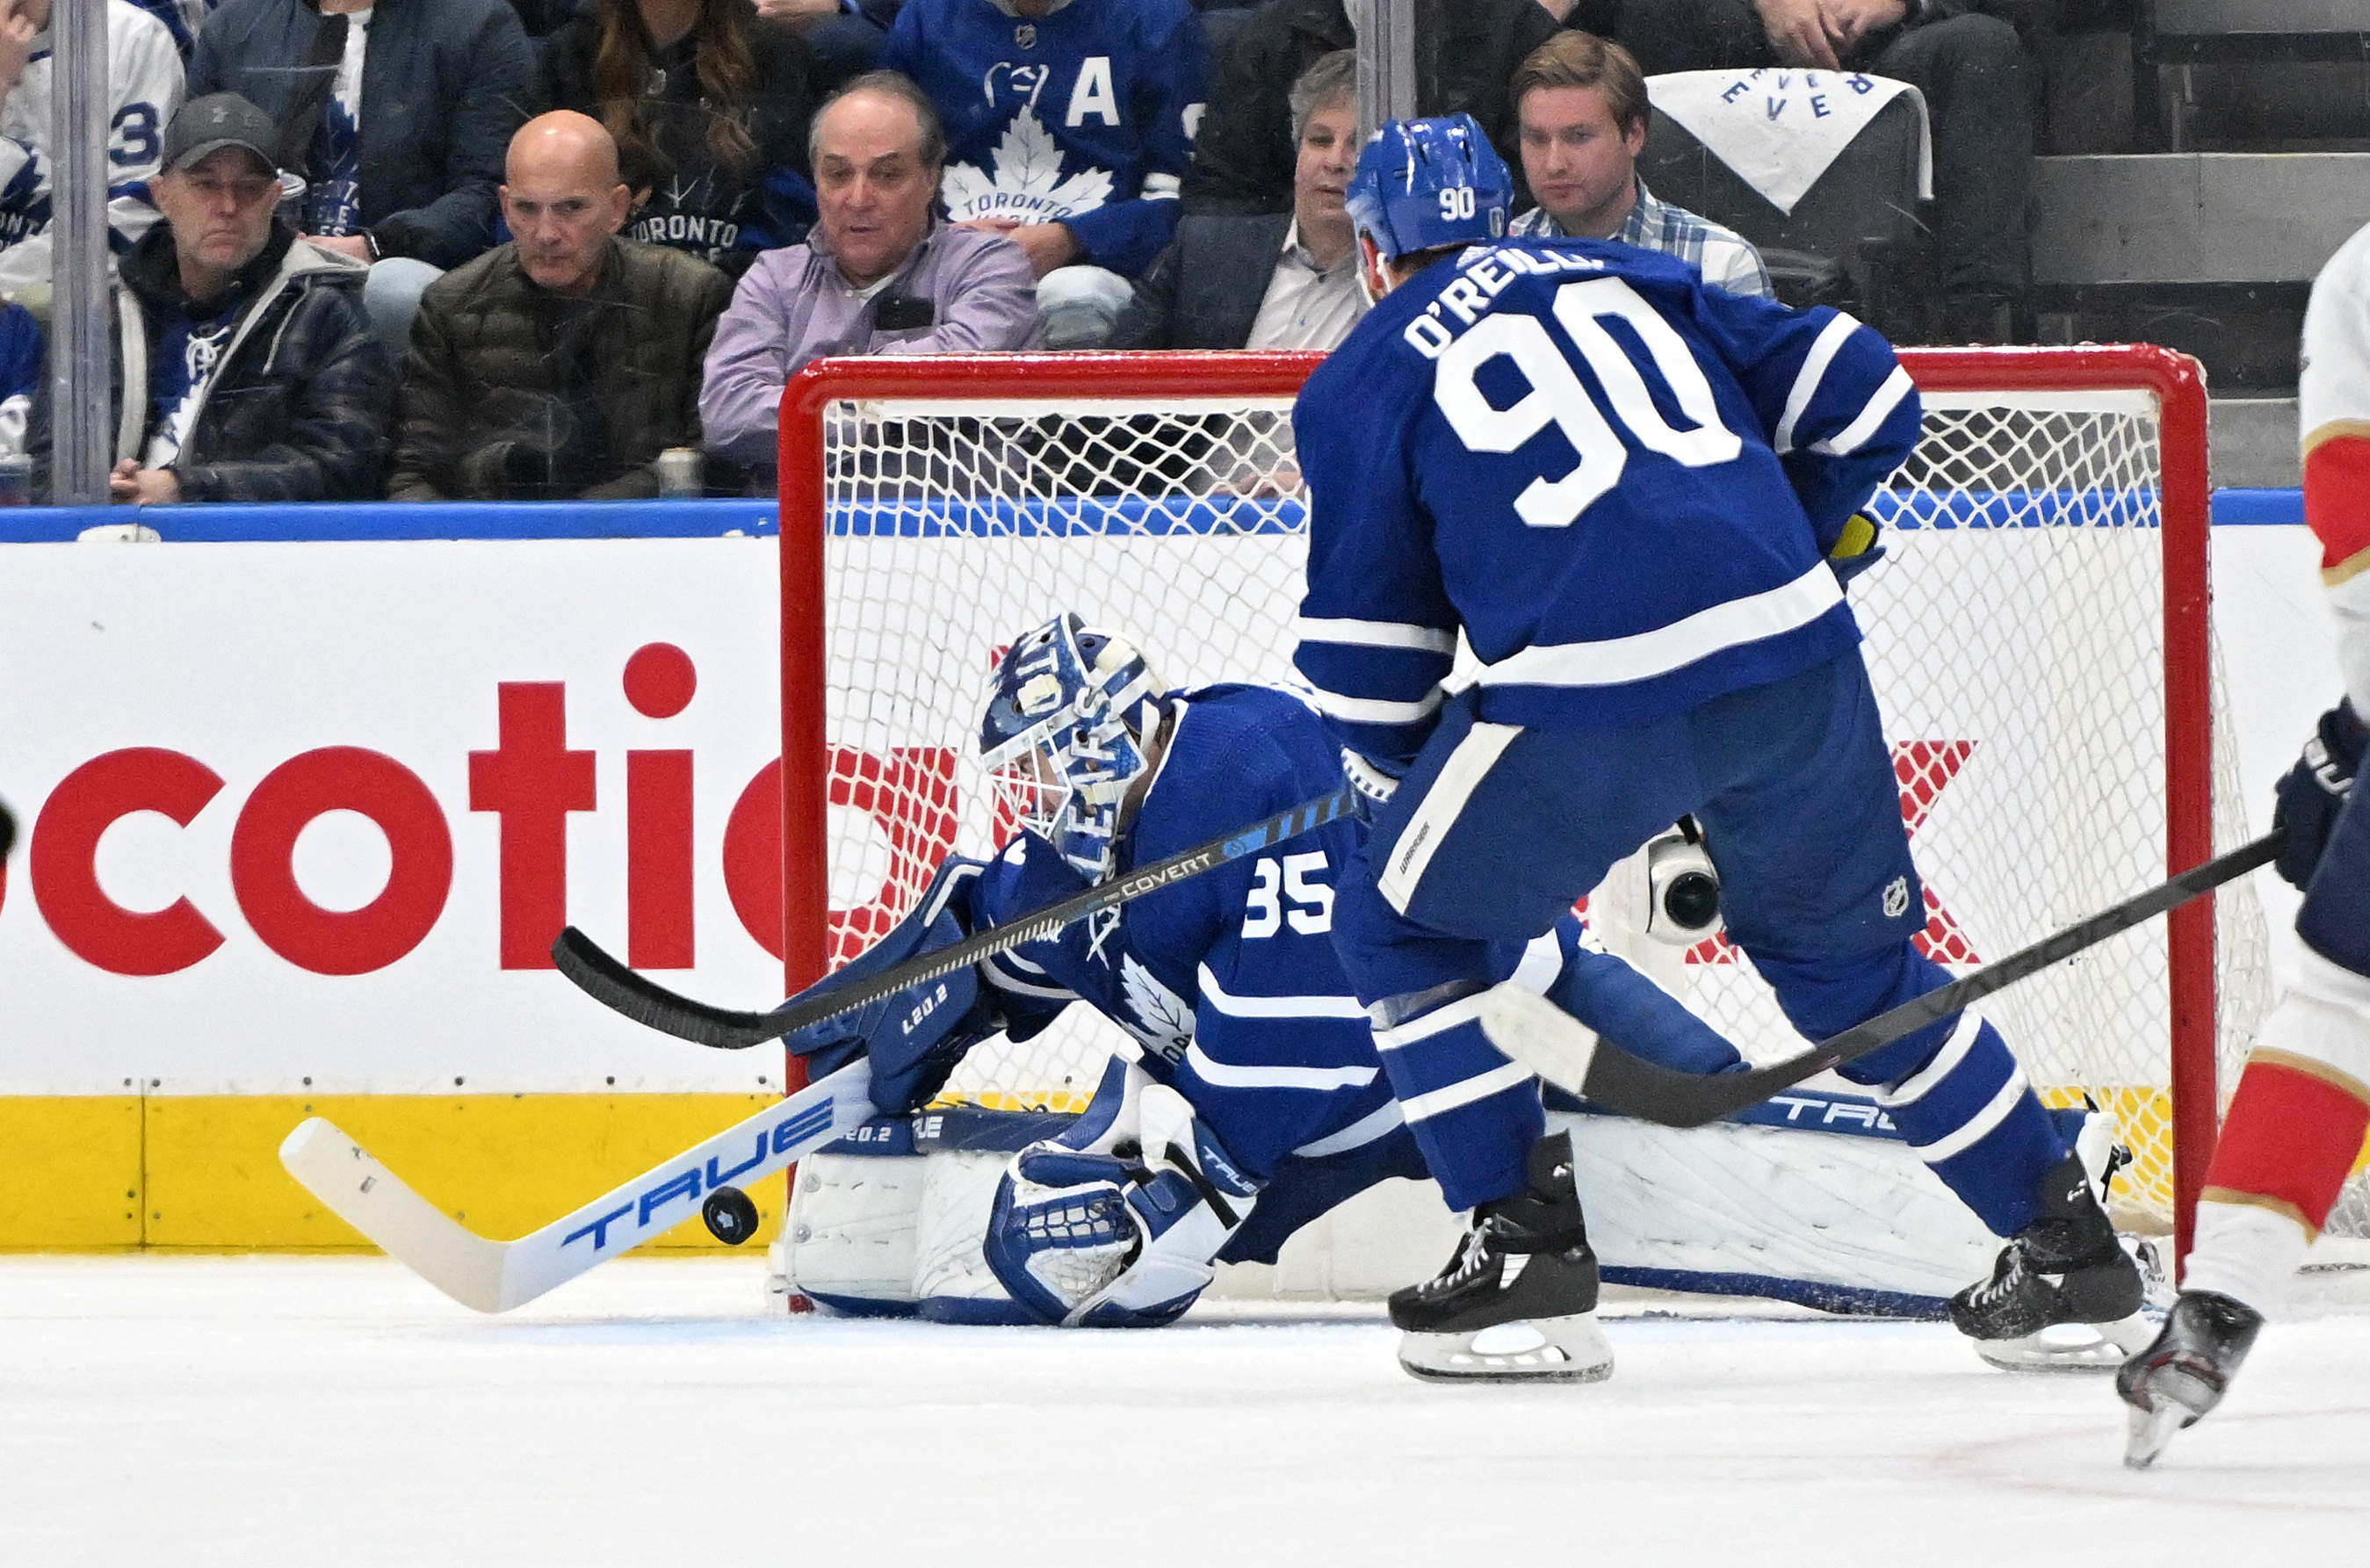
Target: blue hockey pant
(1499, 829)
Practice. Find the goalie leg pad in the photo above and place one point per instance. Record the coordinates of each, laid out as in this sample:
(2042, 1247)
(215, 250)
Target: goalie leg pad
(1116, 1223)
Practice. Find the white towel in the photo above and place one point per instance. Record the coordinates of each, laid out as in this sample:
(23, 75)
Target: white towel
(1779, 129)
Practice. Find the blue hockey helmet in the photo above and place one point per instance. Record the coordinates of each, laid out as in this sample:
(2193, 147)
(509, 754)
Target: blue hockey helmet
(1070, 712)
(1425, 183)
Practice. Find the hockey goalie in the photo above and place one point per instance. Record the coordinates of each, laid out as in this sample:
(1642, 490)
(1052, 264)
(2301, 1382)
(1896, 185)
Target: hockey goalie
(1257, 1101)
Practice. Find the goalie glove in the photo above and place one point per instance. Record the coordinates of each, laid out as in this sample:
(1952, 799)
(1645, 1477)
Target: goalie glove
(915, 1036)
(1115, 1223)
(1855, 549)
(2313, 792)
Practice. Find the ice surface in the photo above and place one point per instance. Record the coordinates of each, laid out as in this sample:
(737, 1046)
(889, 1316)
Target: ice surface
(336, 1411)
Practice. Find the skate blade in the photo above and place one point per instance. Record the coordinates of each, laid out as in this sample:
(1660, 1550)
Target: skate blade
(2072, 1347)
(2151, 1432)
(1542, 1350)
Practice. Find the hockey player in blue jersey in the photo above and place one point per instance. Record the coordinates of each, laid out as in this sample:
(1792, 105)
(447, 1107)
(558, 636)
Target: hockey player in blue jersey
(1069, 127)
(1258, 1102)
(1624, 488)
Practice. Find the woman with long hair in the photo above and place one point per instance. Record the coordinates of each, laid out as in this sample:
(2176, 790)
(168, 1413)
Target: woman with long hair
(709, 106)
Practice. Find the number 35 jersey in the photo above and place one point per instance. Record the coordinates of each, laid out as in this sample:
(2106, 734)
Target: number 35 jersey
(1227, 980)
(1618, 483)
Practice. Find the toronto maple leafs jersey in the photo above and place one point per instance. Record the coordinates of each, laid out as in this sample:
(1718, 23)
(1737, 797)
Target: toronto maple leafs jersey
(1083, 116)
(1618, 483)
(143, 89)
(182, 18)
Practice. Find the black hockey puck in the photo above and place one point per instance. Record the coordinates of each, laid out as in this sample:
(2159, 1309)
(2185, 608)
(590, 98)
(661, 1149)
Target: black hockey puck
(731, 1218)
(1692, 901)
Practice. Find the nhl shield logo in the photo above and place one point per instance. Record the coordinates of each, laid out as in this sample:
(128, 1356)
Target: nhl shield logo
(1025, 35)
(1896, 898)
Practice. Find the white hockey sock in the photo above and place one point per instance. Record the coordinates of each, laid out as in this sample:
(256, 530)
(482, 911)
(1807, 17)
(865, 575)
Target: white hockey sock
(2245, 1251)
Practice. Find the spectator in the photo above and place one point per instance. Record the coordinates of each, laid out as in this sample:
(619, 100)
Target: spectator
(1268, 281)
(396, 116)
(182, 18)
(879, 275)
(245, 369)
(1580, 104)
(562, 364)
(709, 109)
(1244, 159)
(1069, 125)
(1979, 85)
(144, 84)
(846, 34)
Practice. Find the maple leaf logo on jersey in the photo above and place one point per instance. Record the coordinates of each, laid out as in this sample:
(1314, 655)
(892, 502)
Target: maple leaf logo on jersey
(1158, 1016)
(1027, 184)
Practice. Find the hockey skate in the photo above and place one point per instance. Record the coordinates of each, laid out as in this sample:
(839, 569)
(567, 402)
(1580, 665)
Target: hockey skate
(2064, 1268)
(1518, 1301)
(2186, 1371)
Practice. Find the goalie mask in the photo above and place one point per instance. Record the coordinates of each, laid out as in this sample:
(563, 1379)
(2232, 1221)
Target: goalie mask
(1069, 708)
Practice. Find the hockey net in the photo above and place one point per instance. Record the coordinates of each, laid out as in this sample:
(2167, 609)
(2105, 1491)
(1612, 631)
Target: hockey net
(2038, 642)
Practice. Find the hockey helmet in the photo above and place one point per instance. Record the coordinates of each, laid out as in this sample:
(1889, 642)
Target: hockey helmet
(1425, 183)
(1070, 708)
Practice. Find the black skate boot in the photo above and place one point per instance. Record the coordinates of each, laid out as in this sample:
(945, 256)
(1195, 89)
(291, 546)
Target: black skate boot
(1518, 1301)
(2186, 1371)
(2065, 1267)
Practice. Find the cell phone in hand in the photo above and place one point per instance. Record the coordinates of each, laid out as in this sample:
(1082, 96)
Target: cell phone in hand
(901, 313)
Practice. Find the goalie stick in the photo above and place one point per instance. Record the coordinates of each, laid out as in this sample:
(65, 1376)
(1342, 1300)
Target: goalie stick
(645, 1002)
(494, 1276)
(1605, 1074)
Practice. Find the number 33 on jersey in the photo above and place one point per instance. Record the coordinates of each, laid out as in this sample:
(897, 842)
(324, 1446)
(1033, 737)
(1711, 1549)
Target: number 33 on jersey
(1620, 484)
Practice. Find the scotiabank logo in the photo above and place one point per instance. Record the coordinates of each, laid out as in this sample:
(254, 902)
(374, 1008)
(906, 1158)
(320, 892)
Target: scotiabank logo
(531, 781)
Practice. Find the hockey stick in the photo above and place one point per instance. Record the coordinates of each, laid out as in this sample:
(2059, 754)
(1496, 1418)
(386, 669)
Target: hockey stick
(494, 1276)
(1612, 1078)
(647, 1002)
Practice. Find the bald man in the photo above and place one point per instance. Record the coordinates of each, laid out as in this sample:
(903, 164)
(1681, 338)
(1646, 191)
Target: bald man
(561, 366)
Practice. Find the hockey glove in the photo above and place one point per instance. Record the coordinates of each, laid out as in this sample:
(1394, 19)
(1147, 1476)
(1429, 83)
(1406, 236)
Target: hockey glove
(1374, 783)
(2313, 792)
(1856, 550)
(915, 1036)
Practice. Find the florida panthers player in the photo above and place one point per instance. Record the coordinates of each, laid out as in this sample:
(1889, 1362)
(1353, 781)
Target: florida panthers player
(1621, 487)
(2297, 1122)
(1258, 1101)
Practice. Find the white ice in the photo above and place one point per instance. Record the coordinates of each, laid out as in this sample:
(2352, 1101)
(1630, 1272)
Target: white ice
(336, 1411)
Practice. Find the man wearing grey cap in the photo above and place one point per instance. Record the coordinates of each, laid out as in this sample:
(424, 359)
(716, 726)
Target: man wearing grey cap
(245, 368)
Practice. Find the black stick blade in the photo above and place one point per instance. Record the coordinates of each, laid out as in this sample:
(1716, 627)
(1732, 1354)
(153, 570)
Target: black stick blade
(649, 1003)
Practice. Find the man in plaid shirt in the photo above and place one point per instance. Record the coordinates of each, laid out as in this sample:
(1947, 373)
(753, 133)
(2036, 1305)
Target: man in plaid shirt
(1582, 109)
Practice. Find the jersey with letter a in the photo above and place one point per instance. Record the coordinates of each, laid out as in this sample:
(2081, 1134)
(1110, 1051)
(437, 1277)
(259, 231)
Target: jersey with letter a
(1083, 116)
(2334, 412)
(1619, 483)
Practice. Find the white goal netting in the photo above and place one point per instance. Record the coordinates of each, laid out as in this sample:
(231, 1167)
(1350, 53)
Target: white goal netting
(2016, 635)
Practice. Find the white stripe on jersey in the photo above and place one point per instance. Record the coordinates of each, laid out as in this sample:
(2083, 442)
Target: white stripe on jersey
(1617, 661)
(1374, 710)
(1971, 1132)
(1483, 1087)
(1855, 435)
(1542, 964)
(1367, 1129)
(1824, 350)
(1224, 1075)
(1376, 634)
(1277, 1007)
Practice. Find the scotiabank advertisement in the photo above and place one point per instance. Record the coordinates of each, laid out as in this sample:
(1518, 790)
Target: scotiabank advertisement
(305, 817)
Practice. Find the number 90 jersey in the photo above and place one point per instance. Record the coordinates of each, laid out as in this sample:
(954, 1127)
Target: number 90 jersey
(1618, 483)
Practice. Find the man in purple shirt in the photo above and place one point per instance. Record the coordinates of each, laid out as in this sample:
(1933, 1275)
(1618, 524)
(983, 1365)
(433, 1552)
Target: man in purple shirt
(879, 274)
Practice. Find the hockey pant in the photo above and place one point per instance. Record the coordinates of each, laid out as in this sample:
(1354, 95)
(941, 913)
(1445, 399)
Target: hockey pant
(2296, 1124)
(1498, 829)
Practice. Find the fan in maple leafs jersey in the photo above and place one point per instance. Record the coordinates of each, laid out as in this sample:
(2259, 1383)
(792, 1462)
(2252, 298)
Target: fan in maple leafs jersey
(1080, 115)
(1228, 982)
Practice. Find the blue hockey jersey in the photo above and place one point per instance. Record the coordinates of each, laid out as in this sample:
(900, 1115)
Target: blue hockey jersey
(1083, 116)
(1618, 483)
(1229, 980)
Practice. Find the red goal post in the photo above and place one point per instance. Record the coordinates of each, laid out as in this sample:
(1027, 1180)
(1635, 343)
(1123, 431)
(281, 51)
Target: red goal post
(2027, 446)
